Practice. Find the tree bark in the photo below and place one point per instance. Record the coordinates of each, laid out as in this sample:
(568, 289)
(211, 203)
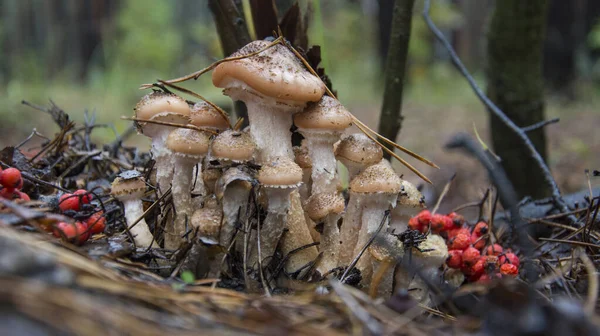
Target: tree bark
(516, 86)
(391, 118)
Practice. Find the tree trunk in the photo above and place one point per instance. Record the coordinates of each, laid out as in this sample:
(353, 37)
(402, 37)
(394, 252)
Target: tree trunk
(391, 118)
(515, 84)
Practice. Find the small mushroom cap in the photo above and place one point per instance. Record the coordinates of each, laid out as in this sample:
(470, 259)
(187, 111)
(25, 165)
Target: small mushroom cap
(203, 114)
(188, 142)
(377, 178)
(358, 148)
(386, 248)
(410, 196)
(438, 251)
(125, 189)
(208, 221)
(280, 172)
(275, 72)
(210, 177)
(319, 206)
(328, 114)
(233, 145)
(302, 156)
(161, 106)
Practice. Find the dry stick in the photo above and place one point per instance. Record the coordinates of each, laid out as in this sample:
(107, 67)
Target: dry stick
(259, 252)
(192, 93)
(558, 201)
(443, 194)
(590, 303)
(199, 73)
(540, 125)
(166, 123)
(238, 124)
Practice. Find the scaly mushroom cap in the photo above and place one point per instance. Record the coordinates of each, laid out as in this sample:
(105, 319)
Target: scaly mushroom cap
(386, 248)
(161, 106)
(377, 178)
(319, 206)
(327, 115)
(302, 157)
(275, 72)
(208, 221)
(233, 145)
(210, 178)
(280, 172)
(125, 189)
(188, 142)
(358, 148)
(203, 114)
(410, 196)
(436, 251)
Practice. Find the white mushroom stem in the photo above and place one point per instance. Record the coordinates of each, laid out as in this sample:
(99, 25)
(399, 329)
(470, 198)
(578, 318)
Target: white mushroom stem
(182, 180)
(350, 229)
(142, 236)
(270, 122)
(275, 223)
(162, 157)
(235, 198)
(324, 164)
(373, 213)
(330, 244)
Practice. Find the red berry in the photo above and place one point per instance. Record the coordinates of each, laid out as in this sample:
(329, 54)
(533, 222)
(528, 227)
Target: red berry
(438, 222)
(471, 256)
(454, 232)
(457, 219)
(494, 250)
(414, 224)
(477, 241)
(459, 242)
(477, 269)
(96, 223)
(83, 232)
(84, 195)
(509, 258)
(424, 217)
(68, 202)
(454, 258)
(10, 178)
(484, 278)
(509, 270)
(481, 228)
(67, 231)
(23, 196)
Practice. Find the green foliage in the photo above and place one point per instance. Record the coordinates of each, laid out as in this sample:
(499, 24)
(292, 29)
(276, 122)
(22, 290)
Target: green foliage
(188, 277)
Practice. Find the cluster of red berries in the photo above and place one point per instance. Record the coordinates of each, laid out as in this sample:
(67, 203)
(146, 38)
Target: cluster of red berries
(80, 231)
(12, 182)
(467, 246)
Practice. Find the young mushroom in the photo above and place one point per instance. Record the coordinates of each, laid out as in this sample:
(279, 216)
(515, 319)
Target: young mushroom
(273, 84)
(384, 253)
(129, 188)
(164, 107)
(378, 187)
(327, 208)
(410, 203)
(189, 147)
(233, 189)
(278, 179)
(321, 124)
(357, 152)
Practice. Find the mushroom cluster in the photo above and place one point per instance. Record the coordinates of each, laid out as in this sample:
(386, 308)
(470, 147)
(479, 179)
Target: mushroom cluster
(262, 200)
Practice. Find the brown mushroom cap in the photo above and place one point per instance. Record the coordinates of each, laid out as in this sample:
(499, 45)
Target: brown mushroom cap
(233, 145)
(161, 106)
(203, 114)
(377, 178)
(210, 178)
(302, 157)
(436, 251)
(387, 248)
(188, 142)
(410, 196)
(320, 205)
(275, 72)
(328, 114)
(280, 172)
(208, 221)
(358, 148)
(126, 189)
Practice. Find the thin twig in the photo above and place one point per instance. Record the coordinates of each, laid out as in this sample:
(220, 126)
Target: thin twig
(540, 125)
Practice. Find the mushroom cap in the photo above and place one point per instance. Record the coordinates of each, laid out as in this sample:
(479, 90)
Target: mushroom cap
(319, 206)
(208, 221)
(188, 142)
(410, 196)
(210, 178)
(302, 157)
(328, 114)
(280, 172)
(275, 72)
(377, 178)
(359, 149)
(161, 106)
(125, 189)
(438, 251)
(203, 114)
(387, 248)
(233, 145)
